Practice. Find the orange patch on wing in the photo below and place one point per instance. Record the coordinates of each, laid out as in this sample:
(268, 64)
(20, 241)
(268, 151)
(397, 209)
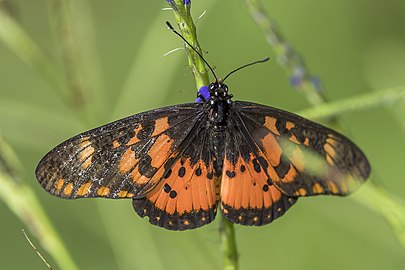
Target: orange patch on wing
(317, 188)
(332, 187)
(116, 144)
(60, 184)
(86, 163)
(291, 175)
(68, 189)
(160, 150)
(122, 193)
(329, 150)
(302, 192)
(329, 160)
(103, 191)
(272, 149)
(84, 189)
(127, 161)
(161, 125)
(306, 142)
(86, 139)
(85, 155)
(192, 192)
(289, 125)
(270, 123)
(294, 139)
(248, 189)
(275, 193)
(135, 139)
(143, 180)
(331, 141)
(138, 178)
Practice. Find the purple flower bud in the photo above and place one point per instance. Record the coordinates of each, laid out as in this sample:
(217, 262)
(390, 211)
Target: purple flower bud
(295, 81)
(204, 93)
(316, 82)
(186, 2)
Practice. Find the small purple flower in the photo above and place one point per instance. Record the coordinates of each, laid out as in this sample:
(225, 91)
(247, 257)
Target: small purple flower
(298, 76)
(295, 81)
(316, 82)
(203, 94)
(186, 2)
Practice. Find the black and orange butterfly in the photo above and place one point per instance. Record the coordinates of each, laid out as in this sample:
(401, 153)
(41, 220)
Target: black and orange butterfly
(179, 163)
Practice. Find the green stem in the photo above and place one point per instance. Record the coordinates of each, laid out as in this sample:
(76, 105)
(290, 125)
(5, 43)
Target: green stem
(189, 32)
(23, 202)
(70, 52)
(385, 97)
(385, 204)
(228, 241)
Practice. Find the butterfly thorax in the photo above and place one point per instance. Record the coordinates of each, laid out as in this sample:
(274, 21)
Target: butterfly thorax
(219, 106)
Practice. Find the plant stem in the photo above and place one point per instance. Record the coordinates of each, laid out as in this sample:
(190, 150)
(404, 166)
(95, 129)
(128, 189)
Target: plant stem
(185, 22)
(385, 204)
(69, 51)
(385, 97)
(228, 240)
(189, 32)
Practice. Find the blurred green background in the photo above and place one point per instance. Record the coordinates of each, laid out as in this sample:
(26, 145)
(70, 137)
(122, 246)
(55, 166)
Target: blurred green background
(354, 47)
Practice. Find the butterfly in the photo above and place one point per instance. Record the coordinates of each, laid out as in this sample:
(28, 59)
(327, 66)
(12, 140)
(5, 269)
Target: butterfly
(180, 163)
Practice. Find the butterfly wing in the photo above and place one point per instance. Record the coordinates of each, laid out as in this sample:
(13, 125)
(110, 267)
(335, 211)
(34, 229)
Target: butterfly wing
(300, 157)
(187, 196)
(123, 159)
(248, 195)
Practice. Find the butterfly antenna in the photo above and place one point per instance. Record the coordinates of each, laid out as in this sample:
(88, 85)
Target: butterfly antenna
(194, 49)
(253, 63)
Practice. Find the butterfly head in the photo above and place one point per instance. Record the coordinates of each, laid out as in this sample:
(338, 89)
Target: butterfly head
(219, 90)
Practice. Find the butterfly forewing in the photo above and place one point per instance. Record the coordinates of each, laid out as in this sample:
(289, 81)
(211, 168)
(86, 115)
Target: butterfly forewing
(121, 159)
(303, 158)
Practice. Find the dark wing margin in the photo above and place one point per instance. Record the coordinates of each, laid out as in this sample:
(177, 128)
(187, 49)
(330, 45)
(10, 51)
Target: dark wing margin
(301, 157)
(123, 159)
(248, 195)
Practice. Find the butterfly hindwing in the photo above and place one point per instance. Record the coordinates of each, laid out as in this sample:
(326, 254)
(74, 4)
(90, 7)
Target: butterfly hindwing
(187, 196)
(248, 195)
(121, 159)
(303, 158)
